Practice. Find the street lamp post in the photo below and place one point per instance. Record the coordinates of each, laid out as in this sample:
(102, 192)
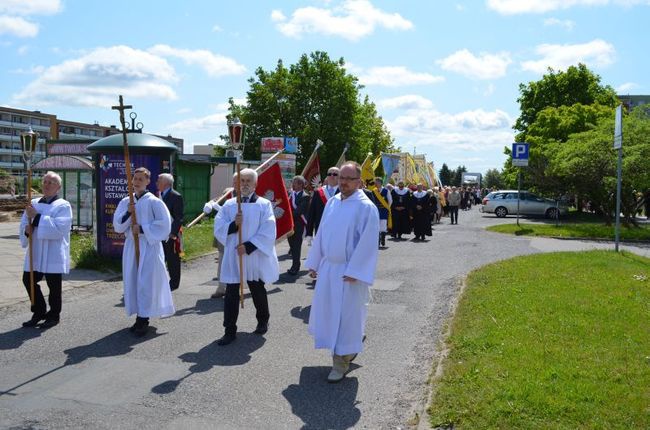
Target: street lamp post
(236, 132)
(29, 139)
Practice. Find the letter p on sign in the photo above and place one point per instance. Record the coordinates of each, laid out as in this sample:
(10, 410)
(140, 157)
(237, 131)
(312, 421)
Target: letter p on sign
(520, 154)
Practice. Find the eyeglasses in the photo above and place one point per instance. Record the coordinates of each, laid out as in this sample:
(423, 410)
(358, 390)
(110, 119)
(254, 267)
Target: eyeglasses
(332, 174)
(345, 178)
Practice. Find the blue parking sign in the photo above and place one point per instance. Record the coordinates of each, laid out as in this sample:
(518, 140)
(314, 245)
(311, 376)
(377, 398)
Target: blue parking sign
(520, 154)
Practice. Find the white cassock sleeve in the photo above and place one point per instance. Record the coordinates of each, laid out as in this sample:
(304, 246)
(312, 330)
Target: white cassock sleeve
(24, 242)
(363, 260)
(122, 209)
(56, 225)
(159, 228)
(264, 238)
(221, 223)
(314, 256)
(53, 226)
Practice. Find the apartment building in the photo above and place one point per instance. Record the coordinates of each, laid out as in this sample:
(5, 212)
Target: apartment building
(13, 122)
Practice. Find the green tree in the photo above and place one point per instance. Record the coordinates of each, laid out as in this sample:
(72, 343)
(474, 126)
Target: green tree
(457, 176)
(492, 179)
(586, 163)
(313, 99)
(445, 174)
(577, 84)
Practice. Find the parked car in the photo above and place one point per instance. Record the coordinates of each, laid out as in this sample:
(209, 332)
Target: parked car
(504, 202)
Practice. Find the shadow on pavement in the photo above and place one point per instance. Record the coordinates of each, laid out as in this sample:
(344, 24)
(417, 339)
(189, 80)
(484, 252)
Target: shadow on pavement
(16, 337)
(235, 354)
(302, 313)
(321, 405)
(202, 307)
(119, 343)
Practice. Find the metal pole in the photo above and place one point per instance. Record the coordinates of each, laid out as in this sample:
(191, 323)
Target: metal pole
(518, 195)
(619, 174)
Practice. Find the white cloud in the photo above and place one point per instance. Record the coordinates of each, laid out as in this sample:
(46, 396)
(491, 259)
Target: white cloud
(489, 90)
(626, 87)
(96, 78)
(513, 7)
(13, 11)
(214, 65)
(409, 101)
(566, 24)
(474, 138)
(596, 53)
(16, 26)
(483, 66)
(216, 28)
(352, 20)
(396, 76)
(217, 120)
(30, 7)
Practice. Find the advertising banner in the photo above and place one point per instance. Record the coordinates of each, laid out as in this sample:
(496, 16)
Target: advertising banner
(112, 188)
(272, 144)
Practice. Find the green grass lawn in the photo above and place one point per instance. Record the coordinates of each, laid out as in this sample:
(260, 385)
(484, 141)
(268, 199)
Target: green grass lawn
(197, 242)
(580, 230)
(550, 341)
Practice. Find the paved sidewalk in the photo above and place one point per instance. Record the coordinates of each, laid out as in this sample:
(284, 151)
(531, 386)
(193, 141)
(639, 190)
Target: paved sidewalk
(12, 257)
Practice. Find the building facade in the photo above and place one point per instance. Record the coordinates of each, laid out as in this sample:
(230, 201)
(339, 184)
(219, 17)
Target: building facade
(13, 122)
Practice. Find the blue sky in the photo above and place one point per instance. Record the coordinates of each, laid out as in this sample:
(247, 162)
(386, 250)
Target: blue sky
(444, 75)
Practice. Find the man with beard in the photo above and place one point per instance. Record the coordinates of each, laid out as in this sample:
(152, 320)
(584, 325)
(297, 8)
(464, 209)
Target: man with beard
(257, 224)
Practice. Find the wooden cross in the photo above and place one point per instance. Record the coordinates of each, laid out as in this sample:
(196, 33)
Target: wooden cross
(129, 179)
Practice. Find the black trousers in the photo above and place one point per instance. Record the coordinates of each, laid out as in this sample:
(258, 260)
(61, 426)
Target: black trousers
(173, 264)
(231, 305)
(54, 283)
(453, 213)
(295, 247)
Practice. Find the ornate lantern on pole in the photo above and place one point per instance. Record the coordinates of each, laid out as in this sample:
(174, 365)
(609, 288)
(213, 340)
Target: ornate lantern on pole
(236, 132)
(29, 139)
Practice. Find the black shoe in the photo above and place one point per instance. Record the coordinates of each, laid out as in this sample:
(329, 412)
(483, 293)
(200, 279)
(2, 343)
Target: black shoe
(34, 321)
(49, 323)
(140, 325)
(292, 272)
(226, 339)
(142, 329)
(261, 328)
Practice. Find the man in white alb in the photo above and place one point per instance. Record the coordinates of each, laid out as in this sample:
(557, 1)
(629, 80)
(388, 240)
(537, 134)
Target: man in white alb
(344, 258)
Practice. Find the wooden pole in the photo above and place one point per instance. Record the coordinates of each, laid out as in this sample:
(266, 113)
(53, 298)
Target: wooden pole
(129, 179)
(31, 236)
(239, 235)
(259, 169)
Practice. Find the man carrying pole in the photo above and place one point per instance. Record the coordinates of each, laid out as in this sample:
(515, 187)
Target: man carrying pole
(145, 221)
(45, 228)
(247, 230)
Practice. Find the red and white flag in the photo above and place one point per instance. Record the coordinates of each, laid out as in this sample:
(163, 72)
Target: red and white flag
(311, 172)
(270, 185)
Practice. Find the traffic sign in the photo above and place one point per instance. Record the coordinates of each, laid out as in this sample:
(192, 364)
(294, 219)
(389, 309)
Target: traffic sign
(618, 128)
(520, 154)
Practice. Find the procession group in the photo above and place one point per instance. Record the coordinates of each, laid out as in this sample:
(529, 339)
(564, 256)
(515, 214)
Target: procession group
(341, 219)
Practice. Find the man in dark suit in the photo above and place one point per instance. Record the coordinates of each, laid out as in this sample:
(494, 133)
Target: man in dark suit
(299, 201)
(319, 198)
(174, 202)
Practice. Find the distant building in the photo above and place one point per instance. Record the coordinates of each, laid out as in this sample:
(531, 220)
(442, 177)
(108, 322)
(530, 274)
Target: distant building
(13, 122)
(630, 102)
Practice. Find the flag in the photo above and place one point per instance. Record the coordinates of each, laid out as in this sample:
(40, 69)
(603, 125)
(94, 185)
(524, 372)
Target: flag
(390, 164)
(270, 185)
(311, 172)
(342, 157)
(367, 172)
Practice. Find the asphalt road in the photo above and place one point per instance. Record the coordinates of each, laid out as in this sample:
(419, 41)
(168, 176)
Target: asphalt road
(90, 372)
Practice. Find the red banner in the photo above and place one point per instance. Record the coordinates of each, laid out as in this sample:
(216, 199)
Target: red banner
(311, 172)
(270, 185)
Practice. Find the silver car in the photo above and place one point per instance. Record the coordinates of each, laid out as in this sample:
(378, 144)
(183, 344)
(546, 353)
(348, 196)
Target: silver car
(503, 203)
